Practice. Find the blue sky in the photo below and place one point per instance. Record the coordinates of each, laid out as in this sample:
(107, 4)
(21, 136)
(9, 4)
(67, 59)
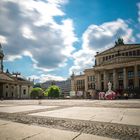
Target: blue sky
(50, 39)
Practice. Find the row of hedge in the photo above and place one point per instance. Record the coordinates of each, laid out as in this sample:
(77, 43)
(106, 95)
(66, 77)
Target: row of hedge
(51, 92)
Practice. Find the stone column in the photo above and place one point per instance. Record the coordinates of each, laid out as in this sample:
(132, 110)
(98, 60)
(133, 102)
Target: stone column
(114, 79)
(98, 82)
(124, 78)
(105, 80)
(135, 76)
(86, 87)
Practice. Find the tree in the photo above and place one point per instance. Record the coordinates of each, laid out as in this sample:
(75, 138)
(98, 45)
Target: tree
(119, 41)
(37, 93)
(53, 91)
(37, 85)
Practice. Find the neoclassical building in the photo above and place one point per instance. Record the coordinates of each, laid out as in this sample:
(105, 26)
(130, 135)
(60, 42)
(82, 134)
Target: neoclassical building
(120, 65)
(13, 86)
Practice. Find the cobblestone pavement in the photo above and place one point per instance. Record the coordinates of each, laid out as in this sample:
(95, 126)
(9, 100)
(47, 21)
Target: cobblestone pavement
(112, 130)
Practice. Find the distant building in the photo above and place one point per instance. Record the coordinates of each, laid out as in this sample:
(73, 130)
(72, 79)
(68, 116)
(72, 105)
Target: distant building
(13, 86)
(120, 65)
(65, 86)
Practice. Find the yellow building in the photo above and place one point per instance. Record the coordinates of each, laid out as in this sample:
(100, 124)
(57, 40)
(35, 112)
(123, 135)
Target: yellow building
(120, 65)
(13, 87)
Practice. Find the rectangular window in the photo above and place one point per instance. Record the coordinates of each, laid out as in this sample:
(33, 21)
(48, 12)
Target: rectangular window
(138, 73)
(106, 57)
(138, 52)
(110, 76)
(130, 74)
(134, 53)
(120, 75)
(130, 53)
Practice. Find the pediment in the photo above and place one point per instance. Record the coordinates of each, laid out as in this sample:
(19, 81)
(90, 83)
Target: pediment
(119, 48)
(121, 60)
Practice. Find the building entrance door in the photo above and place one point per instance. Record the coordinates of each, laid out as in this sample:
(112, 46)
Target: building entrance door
(102, 86)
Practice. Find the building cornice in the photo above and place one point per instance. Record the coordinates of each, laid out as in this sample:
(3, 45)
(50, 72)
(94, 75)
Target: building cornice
(116, 48)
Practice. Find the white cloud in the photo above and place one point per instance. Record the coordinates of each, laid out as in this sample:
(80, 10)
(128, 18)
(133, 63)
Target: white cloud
(98, 38)
(31, 27)
(13, 57)
(83, 59)
(3, 39)
(46, 77)
(27, 33)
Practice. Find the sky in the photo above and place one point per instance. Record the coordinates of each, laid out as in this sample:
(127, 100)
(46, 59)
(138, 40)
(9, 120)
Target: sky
(51, 39)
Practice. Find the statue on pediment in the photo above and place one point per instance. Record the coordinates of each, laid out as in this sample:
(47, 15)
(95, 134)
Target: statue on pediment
(120, 41)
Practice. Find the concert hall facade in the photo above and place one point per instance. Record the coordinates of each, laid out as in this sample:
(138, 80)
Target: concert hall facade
(120, 65)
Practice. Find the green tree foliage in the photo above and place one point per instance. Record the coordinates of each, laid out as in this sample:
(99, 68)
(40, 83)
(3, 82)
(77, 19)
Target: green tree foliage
(53, 91)
(37, 93)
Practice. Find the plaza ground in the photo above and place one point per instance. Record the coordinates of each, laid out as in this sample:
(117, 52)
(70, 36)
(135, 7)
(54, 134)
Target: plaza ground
(70, 119)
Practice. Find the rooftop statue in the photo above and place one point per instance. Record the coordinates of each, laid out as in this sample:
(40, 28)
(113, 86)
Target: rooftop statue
(120, 41)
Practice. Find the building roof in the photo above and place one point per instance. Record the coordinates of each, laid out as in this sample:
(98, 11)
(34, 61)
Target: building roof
(8, 78)
(5, 77)
(118, 47)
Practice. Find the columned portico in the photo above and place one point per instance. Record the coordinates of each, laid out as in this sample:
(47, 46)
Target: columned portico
(120, 65)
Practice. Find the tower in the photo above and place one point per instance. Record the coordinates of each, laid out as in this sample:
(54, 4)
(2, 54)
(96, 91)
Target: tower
(1, 58)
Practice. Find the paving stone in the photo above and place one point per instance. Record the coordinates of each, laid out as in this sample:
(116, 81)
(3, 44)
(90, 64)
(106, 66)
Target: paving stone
(115, 115)
(15, 109)
(99, 119)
